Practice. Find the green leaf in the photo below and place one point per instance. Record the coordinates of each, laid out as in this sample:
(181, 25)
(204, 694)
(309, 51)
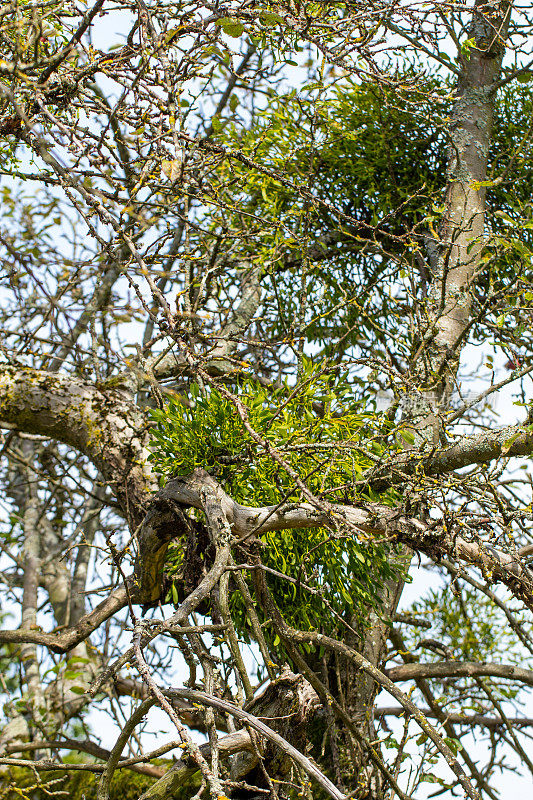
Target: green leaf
(467, 45)
(407, 436)
(454, 744)
(231, 27)
(269, 19)
(506, 446)
(171, 34)
(429, 778)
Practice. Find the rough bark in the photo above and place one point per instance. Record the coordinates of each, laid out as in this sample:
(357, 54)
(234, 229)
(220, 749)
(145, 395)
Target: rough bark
(463, 224)
(100, 422)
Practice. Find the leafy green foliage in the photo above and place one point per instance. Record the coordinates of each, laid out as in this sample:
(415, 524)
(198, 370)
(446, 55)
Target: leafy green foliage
(330, 452)
(355, 146)
(22, 784)
(326, 448)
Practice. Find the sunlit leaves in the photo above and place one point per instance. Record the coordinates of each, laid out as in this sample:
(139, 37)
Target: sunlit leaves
(324, 437)
(232, 27)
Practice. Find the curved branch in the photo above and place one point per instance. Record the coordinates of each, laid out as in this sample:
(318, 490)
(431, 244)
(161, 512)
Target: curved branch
(292, 635)
(458, 719)
(373, 519)
(183, 769)
(264, 730)
(454, 669)
(513, 440)
(137, 716)
(97, 421)
(69, 638)
(93, 749)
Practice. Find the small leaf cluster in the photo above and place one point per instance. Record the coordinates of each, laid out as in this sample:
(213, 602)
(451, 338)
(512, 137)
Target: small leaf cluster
(469, 627)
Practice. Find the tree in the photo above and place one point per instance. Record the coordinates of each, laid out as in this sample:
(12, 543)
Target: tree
(265, 268)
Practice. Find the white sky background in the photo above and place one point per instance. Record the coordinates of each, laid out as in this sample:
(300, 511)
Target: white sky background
(106, 31)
